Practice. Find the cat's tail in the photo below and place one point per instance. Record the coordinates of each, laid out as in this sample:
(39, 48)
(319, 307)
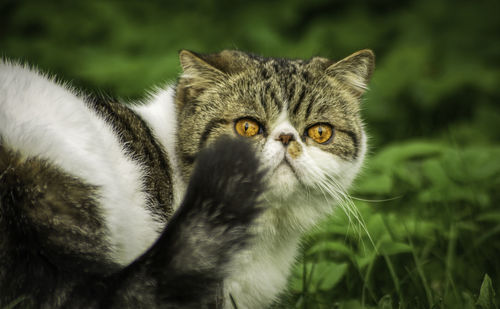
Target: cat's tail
(194, 253)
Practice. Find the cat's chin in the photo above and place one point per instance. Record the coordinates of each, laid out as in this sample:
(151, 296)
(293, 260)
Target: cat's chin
(283, 182)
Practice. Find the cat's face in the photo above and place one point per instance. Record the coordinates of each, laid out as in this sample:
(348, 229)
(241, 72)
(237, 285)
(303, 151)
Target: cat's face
(302, 116)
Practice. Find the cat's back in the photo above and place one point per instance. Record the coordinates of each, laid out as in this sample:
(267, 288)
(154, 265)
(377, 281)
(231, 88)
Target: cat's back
(40, 117)
(83, 138)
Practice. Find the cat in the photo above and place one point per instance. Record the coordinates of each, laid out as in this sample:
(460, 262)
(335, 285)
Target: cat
(193, 198)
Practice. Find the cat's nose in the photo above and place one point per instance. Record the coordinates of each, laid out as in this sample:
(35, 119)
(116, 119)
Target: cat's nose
(285, 138)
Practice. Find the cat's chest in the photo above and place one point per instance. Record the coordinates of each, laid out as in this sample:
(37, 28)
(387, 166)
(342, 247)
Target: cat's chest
(261, 272)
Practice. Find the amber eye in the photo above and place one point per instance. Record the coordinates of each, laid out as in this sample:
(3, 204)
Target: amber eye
(247, 127)
(320, 133)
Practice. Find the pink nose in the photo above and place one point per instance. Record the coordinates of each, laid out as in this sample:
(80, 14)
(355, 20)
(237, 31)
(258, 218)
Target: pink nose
(285, 138)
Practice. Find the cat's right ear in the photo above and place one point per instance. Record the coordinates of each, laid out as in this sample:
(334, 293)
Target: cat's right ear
(197, 72)
(197, 76)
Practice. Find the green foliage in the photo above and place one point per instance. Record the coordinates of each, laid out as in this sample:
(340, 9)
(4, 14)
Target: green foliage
(16, 303)
(486, 298)
(429, 194)
(431, 211)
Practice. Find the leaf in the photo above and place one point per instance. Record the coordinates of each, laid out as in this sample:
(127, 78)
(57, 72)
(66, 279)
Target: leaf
(434, 172)
(385, 302)
(493, 216)
(328, 246)
(486, 299)
(331, 275)
(322, 276)
(16, 302)
(352, 304)
(378, 184)
(391, 248)
(469, 302)
(364, 261)
(416, 150)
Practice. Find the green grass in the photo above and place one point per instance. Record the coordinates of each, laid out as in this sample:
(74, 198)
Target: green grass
(429, 195)
(432, 213)
(18, 303)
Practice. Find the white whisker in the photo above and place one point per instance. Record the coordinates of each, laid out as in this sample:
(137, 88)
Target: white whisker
(345, 202)
(376, 201)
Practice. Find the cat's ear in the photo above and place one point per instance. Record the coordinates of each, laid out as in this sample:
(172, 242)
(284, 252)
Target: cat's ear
(211, 67)
(202, 71)
(197, 70)
(354, 71)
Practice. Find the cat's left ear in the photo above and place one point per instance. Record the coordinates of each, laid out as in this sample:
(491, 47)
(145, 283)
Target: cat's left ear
(354, 71)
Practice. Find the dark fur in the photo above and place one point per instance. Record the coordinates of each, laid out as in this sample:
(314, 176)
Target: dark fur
(137, 138)
(181, 270)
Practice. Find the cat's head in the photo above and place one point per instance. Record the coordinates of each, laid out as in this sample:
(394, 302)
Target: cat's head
(302, 116)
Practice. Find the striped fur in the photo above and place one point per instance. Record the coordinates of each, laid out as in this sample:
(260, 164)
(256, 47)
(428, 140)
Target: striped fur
(306, 179)
(86, 188)
(157, 204)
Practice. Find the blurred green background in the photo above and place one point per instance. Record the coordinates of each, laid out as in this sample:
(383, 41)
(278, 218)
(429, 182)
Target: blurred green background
(429, 196)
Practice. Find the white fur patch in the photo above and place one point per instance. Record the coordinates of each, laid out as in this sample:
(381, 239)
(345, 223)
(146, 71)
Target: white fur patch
(40, 118)
(260, 274)
(303, 189)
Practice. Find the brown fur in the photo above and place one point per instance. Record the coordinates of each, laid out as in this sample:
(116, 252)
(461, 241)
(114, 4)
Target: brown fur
(218, 89)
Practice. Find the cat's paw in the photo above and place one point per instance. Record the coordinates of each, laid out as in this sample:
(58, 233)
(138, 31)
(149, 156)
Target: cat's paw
(228, 177)
(213, 222)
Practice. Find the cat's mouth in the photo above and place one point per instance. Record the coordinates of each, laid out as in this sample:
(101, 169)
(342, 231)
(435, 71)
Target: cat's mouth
(285, 166)
(283, 180)
(282, 164)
